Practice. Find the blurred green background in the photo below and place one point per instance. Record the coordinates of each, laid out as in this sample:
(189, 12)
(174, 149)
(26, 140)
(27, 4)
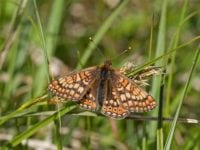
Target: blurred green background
(44, 39)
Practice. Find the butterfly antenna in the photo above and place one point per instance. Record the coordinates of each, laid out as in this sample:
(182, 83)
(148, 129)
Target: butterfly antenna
(122, 53)
(96, 46)
(99, 49)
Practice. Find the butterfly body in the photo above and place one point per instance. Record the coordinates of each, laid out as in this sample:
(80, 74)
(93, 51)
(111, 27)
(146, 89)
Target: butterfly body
(103, 87)
(105, 72)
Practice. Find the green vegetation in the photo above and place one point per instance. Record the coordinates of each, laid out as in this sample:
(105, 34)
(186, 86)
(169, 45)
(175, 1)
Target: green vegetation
(40, 40)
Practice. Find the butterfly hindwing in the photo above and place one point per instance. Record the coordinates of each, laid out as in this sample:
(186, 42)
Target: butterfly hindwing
(89, 101)
(112, 106)
(131, 96)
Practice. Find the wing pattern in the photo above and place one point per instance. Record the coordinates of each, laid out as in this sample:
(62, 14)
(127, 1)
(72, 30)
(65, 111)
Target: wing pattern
(131, 96)
(125, 97)
(112, 106)
(75, 85)
(118, 94)
(89, 101)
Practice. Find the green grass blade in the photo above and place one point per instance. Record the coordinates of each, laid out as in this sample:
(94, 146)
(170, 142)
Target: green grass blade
(48, 44)
(18, 139)
(98, 36)
(131, 73)
(160, 50)
(21, 109)
(160, 116)
(53, 27)
(151, 40)
(58, 139)
(173, 126)
(173, 56)
(54, 23)
(42, 38)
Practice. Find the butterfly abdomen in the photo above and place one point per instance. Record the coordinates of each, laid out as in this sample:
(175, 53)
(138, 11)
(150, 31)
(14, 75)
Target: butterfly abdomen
(102, 85)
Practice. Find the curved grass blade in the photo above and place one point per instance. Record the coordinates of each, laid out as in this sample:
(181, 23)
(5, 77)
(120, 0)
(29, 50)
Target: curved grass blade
(131, 73)
(19, 138)
(22, 108)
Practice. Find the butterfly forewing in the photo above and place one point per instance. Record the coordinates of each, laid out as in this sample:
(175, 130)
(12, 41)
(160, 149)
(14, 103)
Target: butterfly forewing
(75, 85)
(131, 96)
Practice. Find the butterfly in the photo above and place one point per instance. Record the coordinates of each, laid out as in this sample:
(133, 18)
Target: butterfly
(105, 88)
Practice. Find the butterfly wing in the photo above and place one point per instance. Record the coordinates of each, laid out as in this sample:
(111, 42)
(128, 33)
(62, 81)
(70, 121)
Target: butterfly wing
(112, 106)
(75, 85)
(89, 101)
(130, 95)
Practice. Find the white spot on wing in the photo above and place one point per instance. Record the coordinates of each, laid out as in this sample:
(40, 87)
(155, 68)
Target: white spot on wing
(80, 89)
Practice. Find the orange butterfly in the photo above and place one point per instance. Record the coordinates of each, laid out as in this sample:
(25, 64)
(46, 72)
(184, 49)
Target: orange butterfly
(106, 88)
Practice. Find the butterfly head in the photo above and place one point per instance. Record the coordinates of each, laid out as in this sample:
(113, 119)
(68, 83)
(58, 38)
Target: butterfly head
(107, 64)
